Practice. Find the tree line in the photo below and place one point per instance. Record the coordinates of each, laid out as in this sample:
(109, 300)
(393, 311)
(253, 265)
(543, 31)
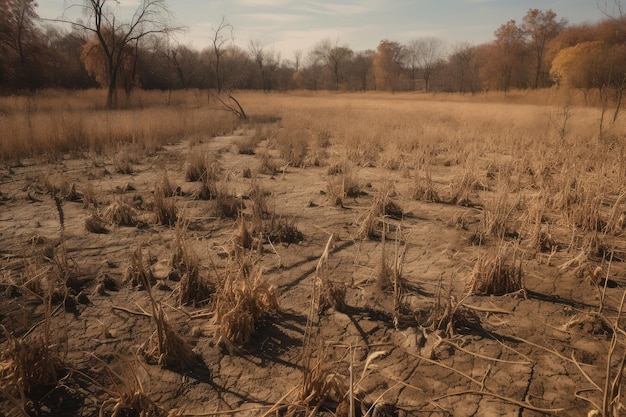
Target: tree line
(102, 49)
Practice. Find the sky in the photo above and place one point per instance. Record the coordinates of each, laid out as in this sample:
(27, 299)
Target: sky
(286, 26)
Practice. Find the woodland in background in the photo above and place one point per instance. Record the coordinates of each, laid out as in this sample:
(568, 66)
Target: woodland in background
(539, 51)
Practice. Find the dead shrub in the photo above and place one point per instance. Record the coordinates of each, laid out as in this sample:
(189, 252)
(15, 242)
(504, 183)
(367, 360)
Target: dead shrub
(242, 303)
(495, 273)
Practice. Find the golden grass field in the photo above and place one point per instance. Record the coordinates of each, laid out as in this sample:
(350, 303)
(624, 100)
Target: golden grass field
(336, 254)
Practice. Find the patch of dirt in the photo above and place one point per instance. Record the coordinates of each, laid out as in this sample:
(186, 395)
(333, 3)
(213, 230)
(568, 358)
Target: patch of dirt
(517, 360)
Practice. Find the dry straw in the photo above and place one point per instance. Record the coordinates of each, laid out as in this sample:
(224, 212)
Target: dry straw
(242, 303)
(373, 223)
(120, 213)
(27, 366)
(497, 272)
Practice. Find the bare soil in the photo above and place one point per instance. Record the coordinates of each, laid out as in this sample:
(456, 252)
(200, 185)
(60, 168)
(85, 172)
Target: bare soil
(523, 354)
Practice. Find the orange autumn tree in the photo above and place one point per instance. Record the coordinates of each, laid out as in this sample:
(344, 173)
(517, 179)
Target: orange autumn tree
(115, 34)
(387, 67)
(95, 62)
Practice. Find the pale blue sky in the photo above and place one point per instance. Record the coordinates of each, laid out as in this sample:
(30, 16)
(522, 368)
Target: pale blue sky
(288, 25)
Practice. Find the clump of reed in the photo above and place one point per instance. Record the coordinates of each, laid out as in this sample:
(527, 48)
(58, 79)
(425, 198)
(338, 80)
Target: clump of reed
(137, 273)
(165, 346)
(120, 213)
(225, 204)
(332, 294)
(293, 145)
(373, 223)
(451, 317)
(342, 183)
(497, 272)
(195, 289)
(164, 205)
(243, 300)
(423, 188)
(128, 394)
(28, 367)
(96, 224)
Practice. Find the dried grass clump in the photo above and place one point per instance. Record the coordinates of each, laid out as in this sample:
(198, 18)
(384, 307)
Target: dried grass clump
(279, 229)
(129, 399)
(496, 213)
(247, 146)
(27, 367)
(423, 188)
(242, 239)
(196, 167)
(121, 214)
(342, 183)
(462, 188)
(495, 274)
(226, 204)
(137, 273)
(122, 163)
(166, 347)
(586, 213)
(194, 288)
(293, 145)
(164, 208)
(267, 165)
(373, 223)
(96, 224)
(242, 303)
(591, 323)
(207, 190)
(332, 294)
(319, 387)
(451, 318)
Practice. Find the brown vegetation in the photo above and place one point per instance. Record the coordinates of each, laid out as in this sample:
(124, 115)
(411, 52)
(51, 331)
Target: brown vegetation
(219, 301)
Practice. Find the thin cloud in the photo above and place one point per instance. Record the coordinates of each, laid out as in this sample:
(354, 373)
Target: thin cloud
(262, 3)
(335, 8)
(274, 17)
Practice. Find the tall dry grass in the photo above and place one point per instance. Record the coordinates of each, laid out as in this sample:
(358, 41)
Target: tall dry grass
(54, 122)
